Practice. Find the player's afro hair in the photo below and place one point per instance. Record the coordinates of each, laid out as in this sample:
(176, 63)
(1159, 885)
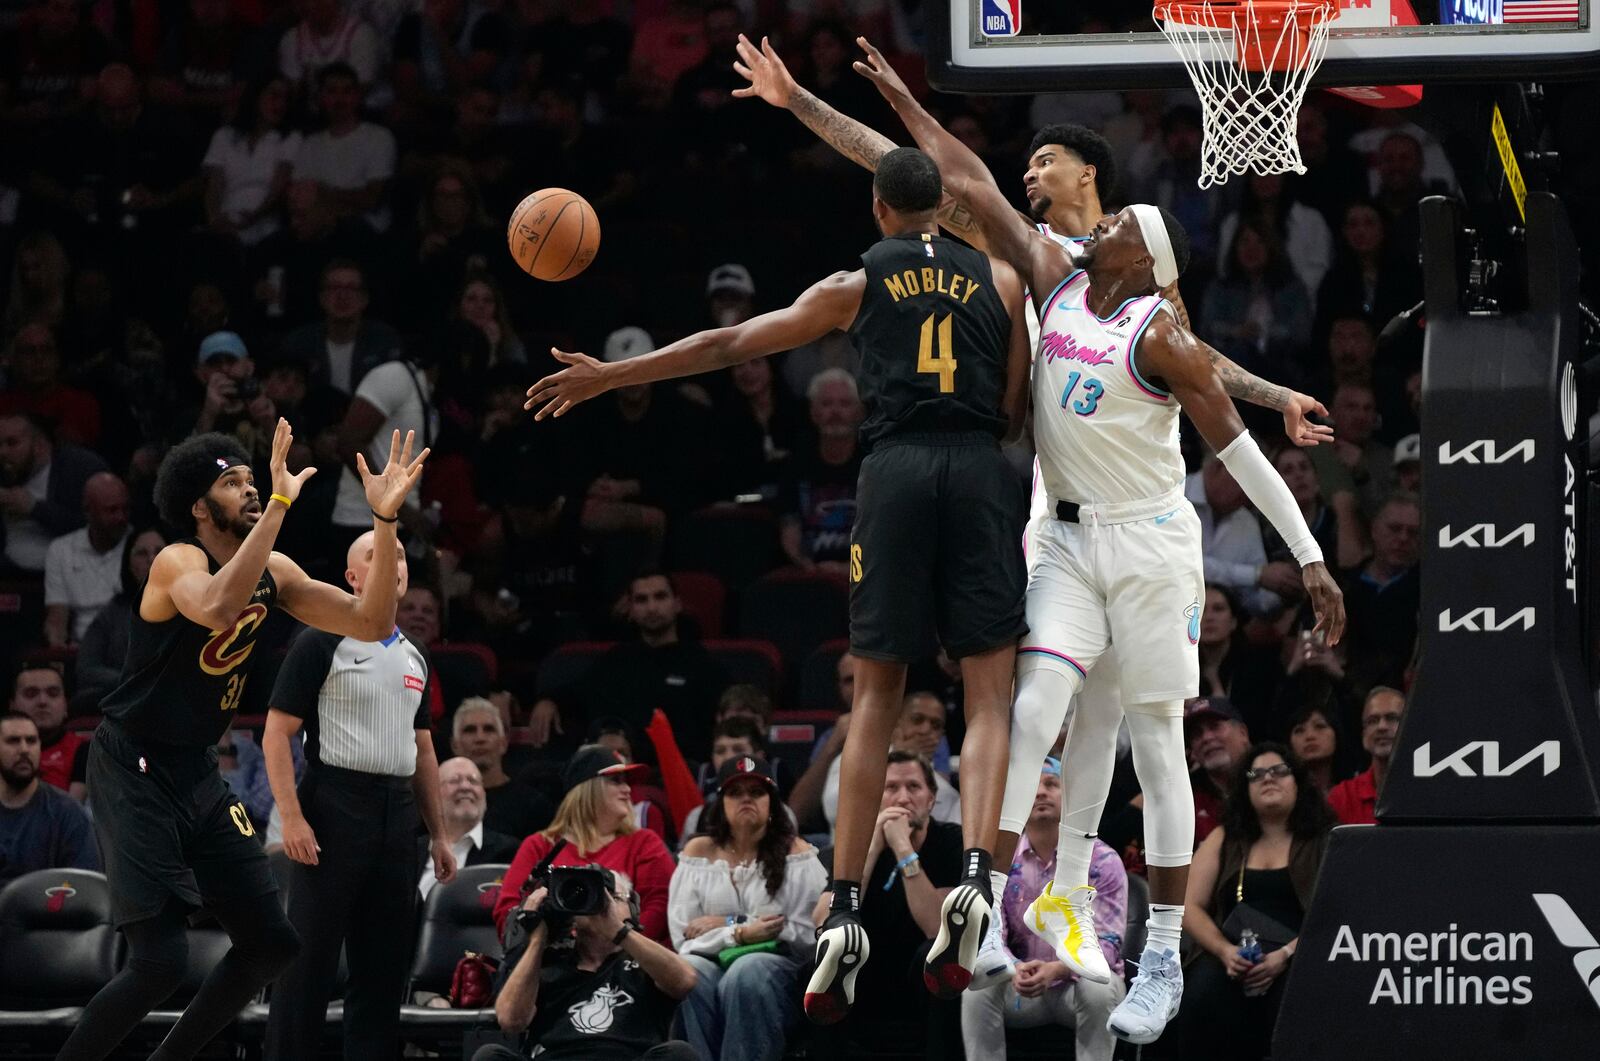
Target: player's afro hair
(1092, 148)
(187, 472)
(908, 181)
(1178, 236)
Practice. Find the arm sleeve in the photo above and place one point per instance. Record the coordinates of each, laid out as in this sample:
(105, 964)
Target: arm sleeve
(1267, 491)
(805, 883)
(684, 904)
(303, 672)
(386, 387)
(424, 717)
(652, 878)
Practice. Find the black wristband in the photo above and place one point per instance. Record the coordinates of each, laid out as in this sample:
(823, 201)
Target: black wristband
(529, 920)
(384, 519)
(622, 934)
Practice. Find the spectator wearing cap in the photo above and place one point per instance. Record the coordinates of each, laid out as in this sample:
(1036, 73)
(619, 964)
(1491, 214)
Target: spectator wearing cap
(817, 488)
(345, 344)
(641, 454)
(596, 819)
(730, 295)
(1027, 987)
(1408, 464)
(83, 568)
(1356, 801)
(1218, 738)
(34, 386)
(41, 827)
(233, 403)
(478, 732)
(41, 491)
(749, 882)
(471, 842)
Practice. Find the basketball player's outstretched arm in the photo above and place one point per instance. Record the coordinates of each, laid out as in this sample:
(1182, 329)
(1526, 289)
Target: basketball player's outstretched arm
(369, 616)
(1041, 261)
(181, 582)
(1171, 353)
(826, 306)
(770, 80)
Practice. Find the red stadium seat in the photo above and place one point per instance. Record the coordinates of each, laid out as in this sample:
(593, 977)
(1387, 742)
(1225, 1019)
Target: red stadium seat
(749, 662)
(795, 610)
(738, 544)
(704, 598)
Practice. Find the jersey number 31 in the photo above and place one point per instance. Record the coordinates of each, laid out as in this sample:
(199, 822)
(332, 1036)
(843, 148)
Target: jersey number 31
(942, 364)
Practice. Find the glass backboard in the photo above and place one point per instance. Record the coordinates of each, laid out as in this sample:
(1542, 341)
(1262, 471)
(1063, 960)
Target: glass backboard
(1060, 45)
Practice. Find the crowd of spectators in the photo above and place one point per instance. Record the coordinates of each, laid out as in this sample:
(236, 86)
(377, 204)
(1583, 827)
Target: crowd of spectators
(234, 211)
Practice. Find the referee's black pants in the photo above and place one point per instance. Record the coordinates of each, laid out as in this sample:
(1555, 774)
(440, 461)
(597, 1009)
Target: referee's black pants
(361, 895)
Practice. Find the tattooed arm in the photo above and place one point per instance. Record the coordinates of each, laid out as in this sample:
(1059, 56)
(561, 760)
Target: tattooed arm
(1295, 407)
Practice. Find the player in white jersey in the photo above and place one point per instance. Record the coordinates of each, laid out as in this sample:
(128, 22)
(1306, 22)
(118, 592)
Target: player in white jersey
(1121, 560)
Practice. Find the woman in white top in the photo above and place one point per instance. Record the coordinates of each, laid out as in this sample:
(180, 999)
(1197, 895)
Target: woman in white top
(248, 164)
(748, 880)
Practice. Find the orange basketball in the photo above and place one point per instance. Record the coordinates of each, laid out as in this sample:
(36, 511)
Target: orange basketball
(553, 234)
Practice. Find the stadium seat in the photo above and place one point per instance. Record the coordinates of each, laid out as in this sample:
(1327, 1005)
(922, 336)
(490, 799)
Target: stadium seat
(464, 669)
(794, 734)
(458, 918)
(795, 610)
(738, 544)
(57, 948)
(704, 599)
(749, 662)
(567, 665)
(819, 677)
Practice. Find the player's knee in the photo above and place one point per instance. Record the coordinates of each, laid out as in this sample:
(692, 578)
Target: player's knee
(161, 965)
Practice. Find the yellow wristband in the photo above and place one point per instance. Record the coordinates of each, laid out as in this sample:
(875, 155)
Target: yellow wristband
(286, 502)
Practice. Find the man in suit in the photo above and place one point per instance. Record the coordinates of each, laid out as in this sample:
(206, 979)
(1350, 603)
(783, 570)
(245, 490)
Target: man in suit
(41, 491)
(461, 789)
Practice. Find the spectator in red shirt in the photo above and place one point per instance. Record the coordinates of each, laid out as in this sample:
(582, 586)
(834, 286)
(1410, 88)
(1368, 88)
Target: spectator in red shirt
(1218, 738)
(33, 386)
(38, 692)
(1356, 801)
(596, 818)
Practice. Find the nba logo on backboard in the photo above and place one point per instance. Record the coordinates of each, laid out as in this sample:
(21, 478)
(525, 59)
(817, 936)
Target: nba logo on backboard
(1001, 18)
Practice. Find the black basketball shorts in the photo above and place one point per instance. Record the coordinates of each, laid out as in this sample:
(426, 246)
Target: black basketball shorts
(169, 826)
(936, 550)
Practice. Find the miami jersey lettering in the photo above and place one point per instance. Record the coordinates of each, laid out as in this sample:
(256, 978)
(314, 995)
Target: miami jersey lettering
(1103, 432)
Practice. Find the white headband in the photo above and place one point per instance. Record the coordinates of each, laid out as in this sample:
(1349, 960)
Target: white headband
(1156, 242)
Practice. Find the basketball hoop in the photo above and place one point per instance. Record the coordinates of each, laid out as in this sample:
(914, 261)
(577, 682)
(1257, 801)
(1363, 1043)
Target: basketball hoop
(1251, 62)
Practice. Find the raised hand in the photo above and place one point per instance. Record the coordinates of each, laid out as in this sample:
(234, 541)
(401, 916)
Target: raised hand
(560, 391)
(386, 491)
(1327, 601)
(1300, 430)
(282, 482)
(876, 68)
(769, 78)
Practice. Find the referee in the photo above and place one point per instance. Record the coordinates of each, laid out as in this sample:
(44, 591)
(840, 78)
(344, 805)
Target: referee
(351, 829)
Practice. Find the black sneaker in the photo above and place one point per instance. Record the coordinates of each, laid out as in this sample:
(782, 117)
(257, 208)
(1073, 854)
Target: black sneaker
(842, 950)
(963, 922)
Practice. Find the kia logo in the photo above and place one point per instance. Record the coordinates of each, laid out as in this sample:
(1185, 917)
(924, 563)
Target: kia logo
(1485, 451)
(1487, 752)
(1484, 536)
(1485, 620)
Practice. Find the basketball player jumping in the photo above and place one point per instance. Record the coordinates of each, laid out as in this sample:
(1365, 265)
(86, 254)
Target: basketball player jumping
(935, 554)
(1122, 560)
(171, 834)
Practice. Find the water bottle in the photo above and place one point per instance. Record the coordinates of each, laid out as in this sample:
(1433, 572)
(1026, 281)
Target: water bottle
(1250, 951)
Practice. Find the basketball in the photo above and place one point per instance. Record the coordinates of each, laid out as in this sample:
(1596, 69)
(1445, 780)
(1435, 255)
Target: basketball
(553, 234)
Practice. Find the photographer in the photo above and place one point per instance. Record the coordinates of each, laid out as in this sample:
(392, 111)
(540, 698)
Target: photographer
(591, 988)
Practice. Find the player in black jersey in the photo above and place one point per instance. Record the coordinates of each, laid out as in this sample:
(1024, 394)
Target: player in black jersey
(171, 834)
(935, 554)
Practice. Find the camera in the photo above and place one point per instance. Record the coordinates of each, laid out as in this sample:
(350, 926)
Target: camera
(578, 891)
(247, 389)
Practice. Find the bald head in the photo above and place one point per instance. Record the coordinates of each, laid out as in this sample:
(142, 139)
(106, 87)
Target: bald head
(105, 508)
(117, 96)
(461, 792)
(358, 560)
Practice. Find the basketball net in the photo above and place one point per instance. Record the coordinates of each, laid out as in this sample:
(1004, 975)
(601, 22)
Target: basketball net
(1251, 63)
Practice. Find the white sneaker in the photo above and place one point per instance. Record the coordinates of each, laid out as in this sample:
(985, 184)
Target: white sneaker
(1152, 1000)
(995, 965)
(1067, 924)
(964, 921)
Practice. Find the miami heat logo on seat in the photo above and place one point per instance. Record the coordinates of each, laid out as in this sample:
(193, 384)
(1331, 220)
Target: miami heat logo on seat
(219, 656)
(56, 898)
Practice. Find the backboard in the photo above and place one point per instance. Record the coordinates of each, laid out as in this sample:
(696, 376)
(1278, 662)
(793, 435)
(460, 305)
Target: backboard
(1001, 46)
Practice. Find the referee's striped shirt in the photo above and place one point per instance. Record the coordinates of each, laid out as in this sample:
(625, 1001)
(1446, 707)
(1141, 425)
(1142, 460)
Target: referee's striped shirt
(360, 701)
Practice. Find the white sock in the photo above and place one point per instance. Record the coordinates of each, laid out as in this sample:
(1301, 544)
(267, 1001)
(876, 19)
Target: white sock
(1074, 850)
(997, 884)
(1164, 929)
